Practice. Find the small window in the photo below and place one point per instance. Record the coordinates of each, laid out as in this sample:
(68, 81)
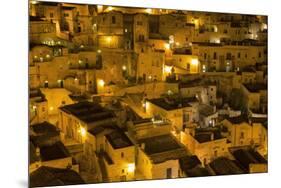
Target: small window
(139, 23)
(238, 55)
(51, 15)
(123, 170)
(65, 14)
(259, 54)
(122, 155)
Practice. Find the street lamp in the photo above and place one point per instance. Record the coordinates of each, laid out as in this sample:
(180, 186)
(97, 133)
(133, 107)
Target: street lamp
(131, 167)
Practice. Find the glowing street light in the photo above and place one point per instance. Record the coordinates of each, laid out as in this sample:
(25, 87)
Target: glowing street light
(124, 67)
(168, 69)
(101, 83)
(131, 167)
(167, 46)
(82, 131)
(99, 51)
(194, 61)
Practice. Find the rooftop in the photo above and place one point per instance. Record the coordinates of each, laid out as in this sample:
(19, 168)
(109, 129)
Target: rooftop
(254, 88)
(162, 148)
(118, 139)
(206, 110)
(237, 120)
(88, 112)
(53, 152)
(47, 176)
(172, 103)
(225, 166)
(197, 172)
(44, 134)
(35, 18)
(189, 162)
(97, 130)
(44, 128)
(245, 157)
(207, 134)
(159, 144)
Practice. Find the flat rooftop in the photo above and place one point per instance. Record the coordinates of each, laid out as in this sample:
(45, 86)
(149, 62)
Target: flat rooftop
(207, 134)
(88, 112)
(159, 144)
(118, 139)
(225, 166)
(172, 103)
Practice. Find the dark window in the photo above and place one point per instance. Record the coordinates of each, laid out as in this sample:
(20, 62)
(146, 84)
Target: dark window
(65, 14)
(238, 55)
(51, 15)
(139, 23)
(215, 55)
(169, 173)
(259, 54)
(122, 155)
(205, 56)
(113, 20)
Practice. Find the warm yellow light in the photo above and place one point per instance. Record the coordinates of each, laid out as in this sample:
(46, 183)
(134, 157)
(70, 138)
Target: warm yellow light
(148, 10)
(101, 83)
(33, 2)
(124, 68)
(194, 61)
(82, 131)
(167, 46)
(131, 167)
(108, 39)
(177, 43)
(99, 51)
(110, 8)
(168, 69)
(47, 56)
(51, 108)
